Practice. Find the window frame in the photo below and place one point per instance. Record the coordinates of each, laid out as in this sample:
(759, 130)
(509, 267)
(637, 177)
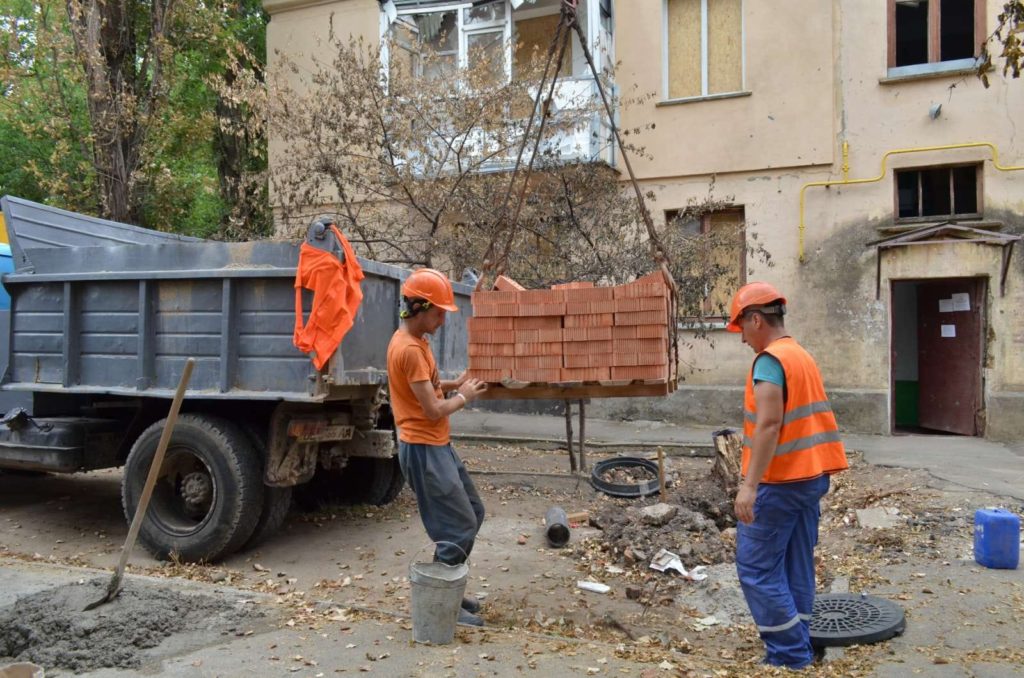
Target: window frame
(979, 191)
(666, 47)
(934, 65)
(716, 321)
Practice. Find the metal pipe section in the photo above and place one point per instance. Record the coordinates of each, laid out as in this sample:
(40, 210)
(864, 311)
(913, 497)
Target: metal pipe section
(556, 527)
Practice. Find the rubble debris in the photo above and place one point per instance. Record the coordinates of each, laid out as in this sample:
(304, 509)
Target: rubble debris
(666, 560)
(879, 518)
(658, 514)
(596, 587)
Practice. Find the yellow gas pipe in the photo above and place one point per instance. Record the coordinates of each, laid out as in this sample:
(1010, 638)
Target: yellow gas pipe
(881, 175)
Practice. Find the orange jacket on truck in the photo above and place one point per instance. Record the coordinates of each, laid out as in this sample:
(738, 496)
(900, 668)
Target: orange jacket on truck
(336, 298)
(809, 443)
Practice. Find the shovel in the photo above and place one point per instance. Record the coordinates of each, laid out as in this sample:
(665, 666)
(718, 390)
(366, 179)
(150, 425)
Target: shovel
(114, 587)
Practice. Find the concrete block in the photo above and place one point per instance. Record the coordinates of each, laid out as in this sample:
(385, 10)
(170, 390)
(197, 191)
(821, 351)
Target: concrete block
(658, 514)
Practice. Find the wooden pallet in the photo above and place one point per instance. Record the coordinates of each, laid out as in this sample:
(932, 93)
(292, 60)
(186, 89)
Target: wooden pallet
(576, 390)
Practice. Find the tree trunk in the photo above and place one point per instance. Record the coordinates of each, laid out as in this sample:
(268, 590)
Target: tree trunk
(728, 460)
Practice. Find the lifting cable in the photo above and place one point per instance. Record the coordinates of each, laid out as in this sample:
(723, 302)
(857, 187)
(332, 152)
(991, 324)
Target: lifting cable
(568, 22)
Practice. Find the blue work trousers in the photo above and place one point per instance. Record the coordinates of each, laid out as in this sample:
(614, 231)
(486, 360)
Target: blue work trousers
(775, 563)
(449, 504)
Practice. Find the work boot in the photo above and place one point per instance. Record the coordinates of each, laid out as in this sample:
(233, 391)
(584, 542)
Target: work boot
(469, 619)
(471, 604)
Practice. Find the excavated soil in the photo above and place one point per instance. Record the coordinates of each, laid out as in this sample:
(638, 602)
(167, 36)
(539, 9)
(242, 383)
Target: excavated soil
(51, 628)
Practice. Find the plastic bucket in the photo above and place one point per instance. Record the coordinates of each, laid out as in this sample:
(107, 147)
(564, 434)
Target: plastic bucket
(21, 670)
(436, 597)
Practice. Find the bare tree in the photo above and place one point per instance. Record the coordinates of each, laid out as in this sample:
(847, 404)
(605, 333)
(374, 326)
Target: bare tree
(1007, 38)
(418, 162)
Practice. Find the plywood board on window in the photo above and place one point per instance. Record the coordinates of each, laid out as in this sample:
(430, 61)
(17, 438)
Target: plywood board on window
(725, 46)
(532, 40)
(729, 254)
(684, 65)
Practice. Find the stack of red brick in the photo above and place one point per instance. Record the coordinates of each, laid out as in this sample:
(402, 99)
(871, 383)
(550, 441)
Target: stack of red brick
(575, 332)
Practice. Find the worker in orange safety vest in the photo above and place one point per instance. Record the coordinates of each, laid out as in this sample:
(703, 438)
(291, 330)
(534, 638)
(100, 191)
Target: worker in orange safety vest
(791, 446)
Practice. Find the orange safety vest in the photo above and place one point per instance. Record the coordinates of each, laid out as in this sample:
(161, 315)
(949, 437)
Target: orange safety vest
(336, 298)
(809, 443)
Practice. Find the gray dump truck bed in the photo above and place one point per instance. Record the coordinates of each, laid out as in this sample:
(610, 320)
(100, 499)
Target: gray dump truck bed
(101, 307)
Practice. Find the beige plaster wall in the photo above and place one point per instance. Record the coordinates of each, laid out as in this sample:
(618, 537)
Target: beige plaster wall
(787, 120)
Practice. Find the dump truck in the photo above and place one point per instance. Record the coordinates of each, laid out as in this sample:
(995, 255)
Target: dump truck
(103, 316)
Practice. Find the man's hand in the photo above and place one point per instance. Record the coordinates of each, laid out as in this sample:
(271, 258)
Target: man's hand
(471, 388)
(744, 506)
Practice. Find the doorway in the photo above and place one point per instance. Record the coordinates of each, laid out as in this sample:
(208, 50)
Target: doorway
(937, 354)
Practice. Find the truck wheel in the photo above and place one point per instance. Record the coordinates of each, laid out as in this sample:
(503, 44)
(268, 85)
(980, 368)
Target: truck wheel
(208, 496)
(276, 500)
(373, 481)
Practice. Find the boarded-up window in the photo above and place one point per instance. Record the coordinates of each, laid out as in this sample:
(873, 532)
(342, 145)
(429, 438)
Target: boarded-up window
(532, 40)
(722, 251)
(704, 47)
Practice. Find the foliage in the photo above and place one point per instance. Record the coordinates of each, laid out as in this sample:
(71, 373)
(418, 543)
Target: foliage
(114, 109)
(415, 164)
(1006, 37)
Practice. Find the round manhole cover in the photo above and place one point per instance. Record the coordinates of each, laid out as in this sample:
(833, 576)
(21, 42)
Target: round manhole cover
(847, 619)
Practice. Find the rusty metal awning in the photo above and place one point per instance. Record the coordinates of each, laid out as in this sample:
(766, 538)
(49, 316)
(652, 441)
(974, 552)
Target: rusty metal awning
(945, 233)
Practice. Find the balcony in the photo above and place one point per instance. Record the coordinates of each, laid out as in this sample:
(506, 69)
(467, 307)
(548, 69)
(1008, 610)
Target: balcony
(503, 39)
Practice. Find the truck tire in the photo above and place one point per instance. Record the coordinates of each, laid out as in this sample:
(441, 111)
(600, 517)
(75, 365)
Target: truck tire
(276, 500)
(373, 481)
(364, 480)
(209, 495)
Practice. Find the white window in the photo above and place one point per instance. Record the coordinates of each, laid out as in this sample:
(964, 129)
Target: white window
(703, 44)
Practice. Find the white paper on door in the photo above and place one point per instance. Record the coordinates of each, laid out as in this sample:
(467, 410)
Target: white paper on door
(945, 305)
(961, 301)
(949, 331)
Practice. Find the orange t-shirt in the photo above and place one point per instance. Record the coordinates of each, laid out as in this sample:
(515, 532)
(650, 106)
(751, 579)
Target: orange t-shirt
(410, 360)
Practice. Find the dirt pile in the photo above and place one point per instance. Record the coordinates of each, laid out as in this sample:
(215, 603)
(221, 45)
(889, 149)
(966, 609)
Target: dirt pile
(51, 629)
(694, 532)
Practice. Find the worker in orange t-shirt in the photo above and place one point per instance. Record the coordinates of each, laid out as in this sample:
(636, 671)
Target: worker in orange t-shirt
(449, 504)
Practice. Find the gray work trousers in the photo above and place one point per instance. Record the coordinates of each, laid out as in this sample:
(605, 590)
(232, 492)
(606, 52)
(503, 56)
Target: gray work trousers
(450, 507)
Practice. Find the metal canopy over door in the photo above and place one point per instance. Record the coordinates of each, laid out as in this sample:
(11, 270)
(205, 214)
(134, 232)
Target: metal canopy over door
(950, 321)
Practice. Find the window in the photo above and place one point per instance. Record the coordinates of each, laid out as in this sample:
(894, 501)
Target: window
(703, 47)
(723, 252)
(933, 32)
(936, 193)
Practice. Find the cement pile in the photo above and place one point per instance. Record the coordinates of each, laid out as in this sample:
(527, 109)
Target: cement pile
(51, 629)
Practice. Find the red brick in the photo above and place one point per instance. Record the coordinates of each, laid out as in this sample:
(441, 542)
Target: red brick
(535, 362)
(585, 307)
(655, 277)
(540, 309)
(582, 284)
(659, 346)
(540, 297)
(640, 372)
(640, 304)
(506, 284)
(574, 360)
(576, 333)
(479, 362)
(490, 298)
(590, 294)
(641, 289)
(489, 323)
(521, 336)
(599, 333)
(624, 331)
(536, 323)
(538, 348)
(585, 374)
(492, 349)
(584, 347)
(590, 320)
(651, 332)
(489, 310)
(538, 375)
(502, 362)
(642, 318)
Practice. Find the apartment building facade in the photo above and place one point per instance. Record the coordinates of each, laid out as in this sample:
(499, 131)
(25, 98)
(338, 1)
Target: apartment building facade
(853, 139)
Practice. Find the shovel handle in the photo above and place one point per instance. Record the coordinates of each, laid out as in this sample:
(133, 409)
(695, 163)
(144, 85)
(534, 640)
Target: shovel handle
(154, 467)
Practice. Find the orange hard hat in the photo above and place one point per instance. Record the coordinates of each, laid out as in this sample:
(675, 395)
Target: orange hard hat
(434, 286)
(751, 294)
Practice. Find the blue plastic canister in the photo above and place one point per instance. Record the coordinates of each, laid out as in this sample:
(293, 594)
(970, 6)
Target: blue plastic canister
(997, 538)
